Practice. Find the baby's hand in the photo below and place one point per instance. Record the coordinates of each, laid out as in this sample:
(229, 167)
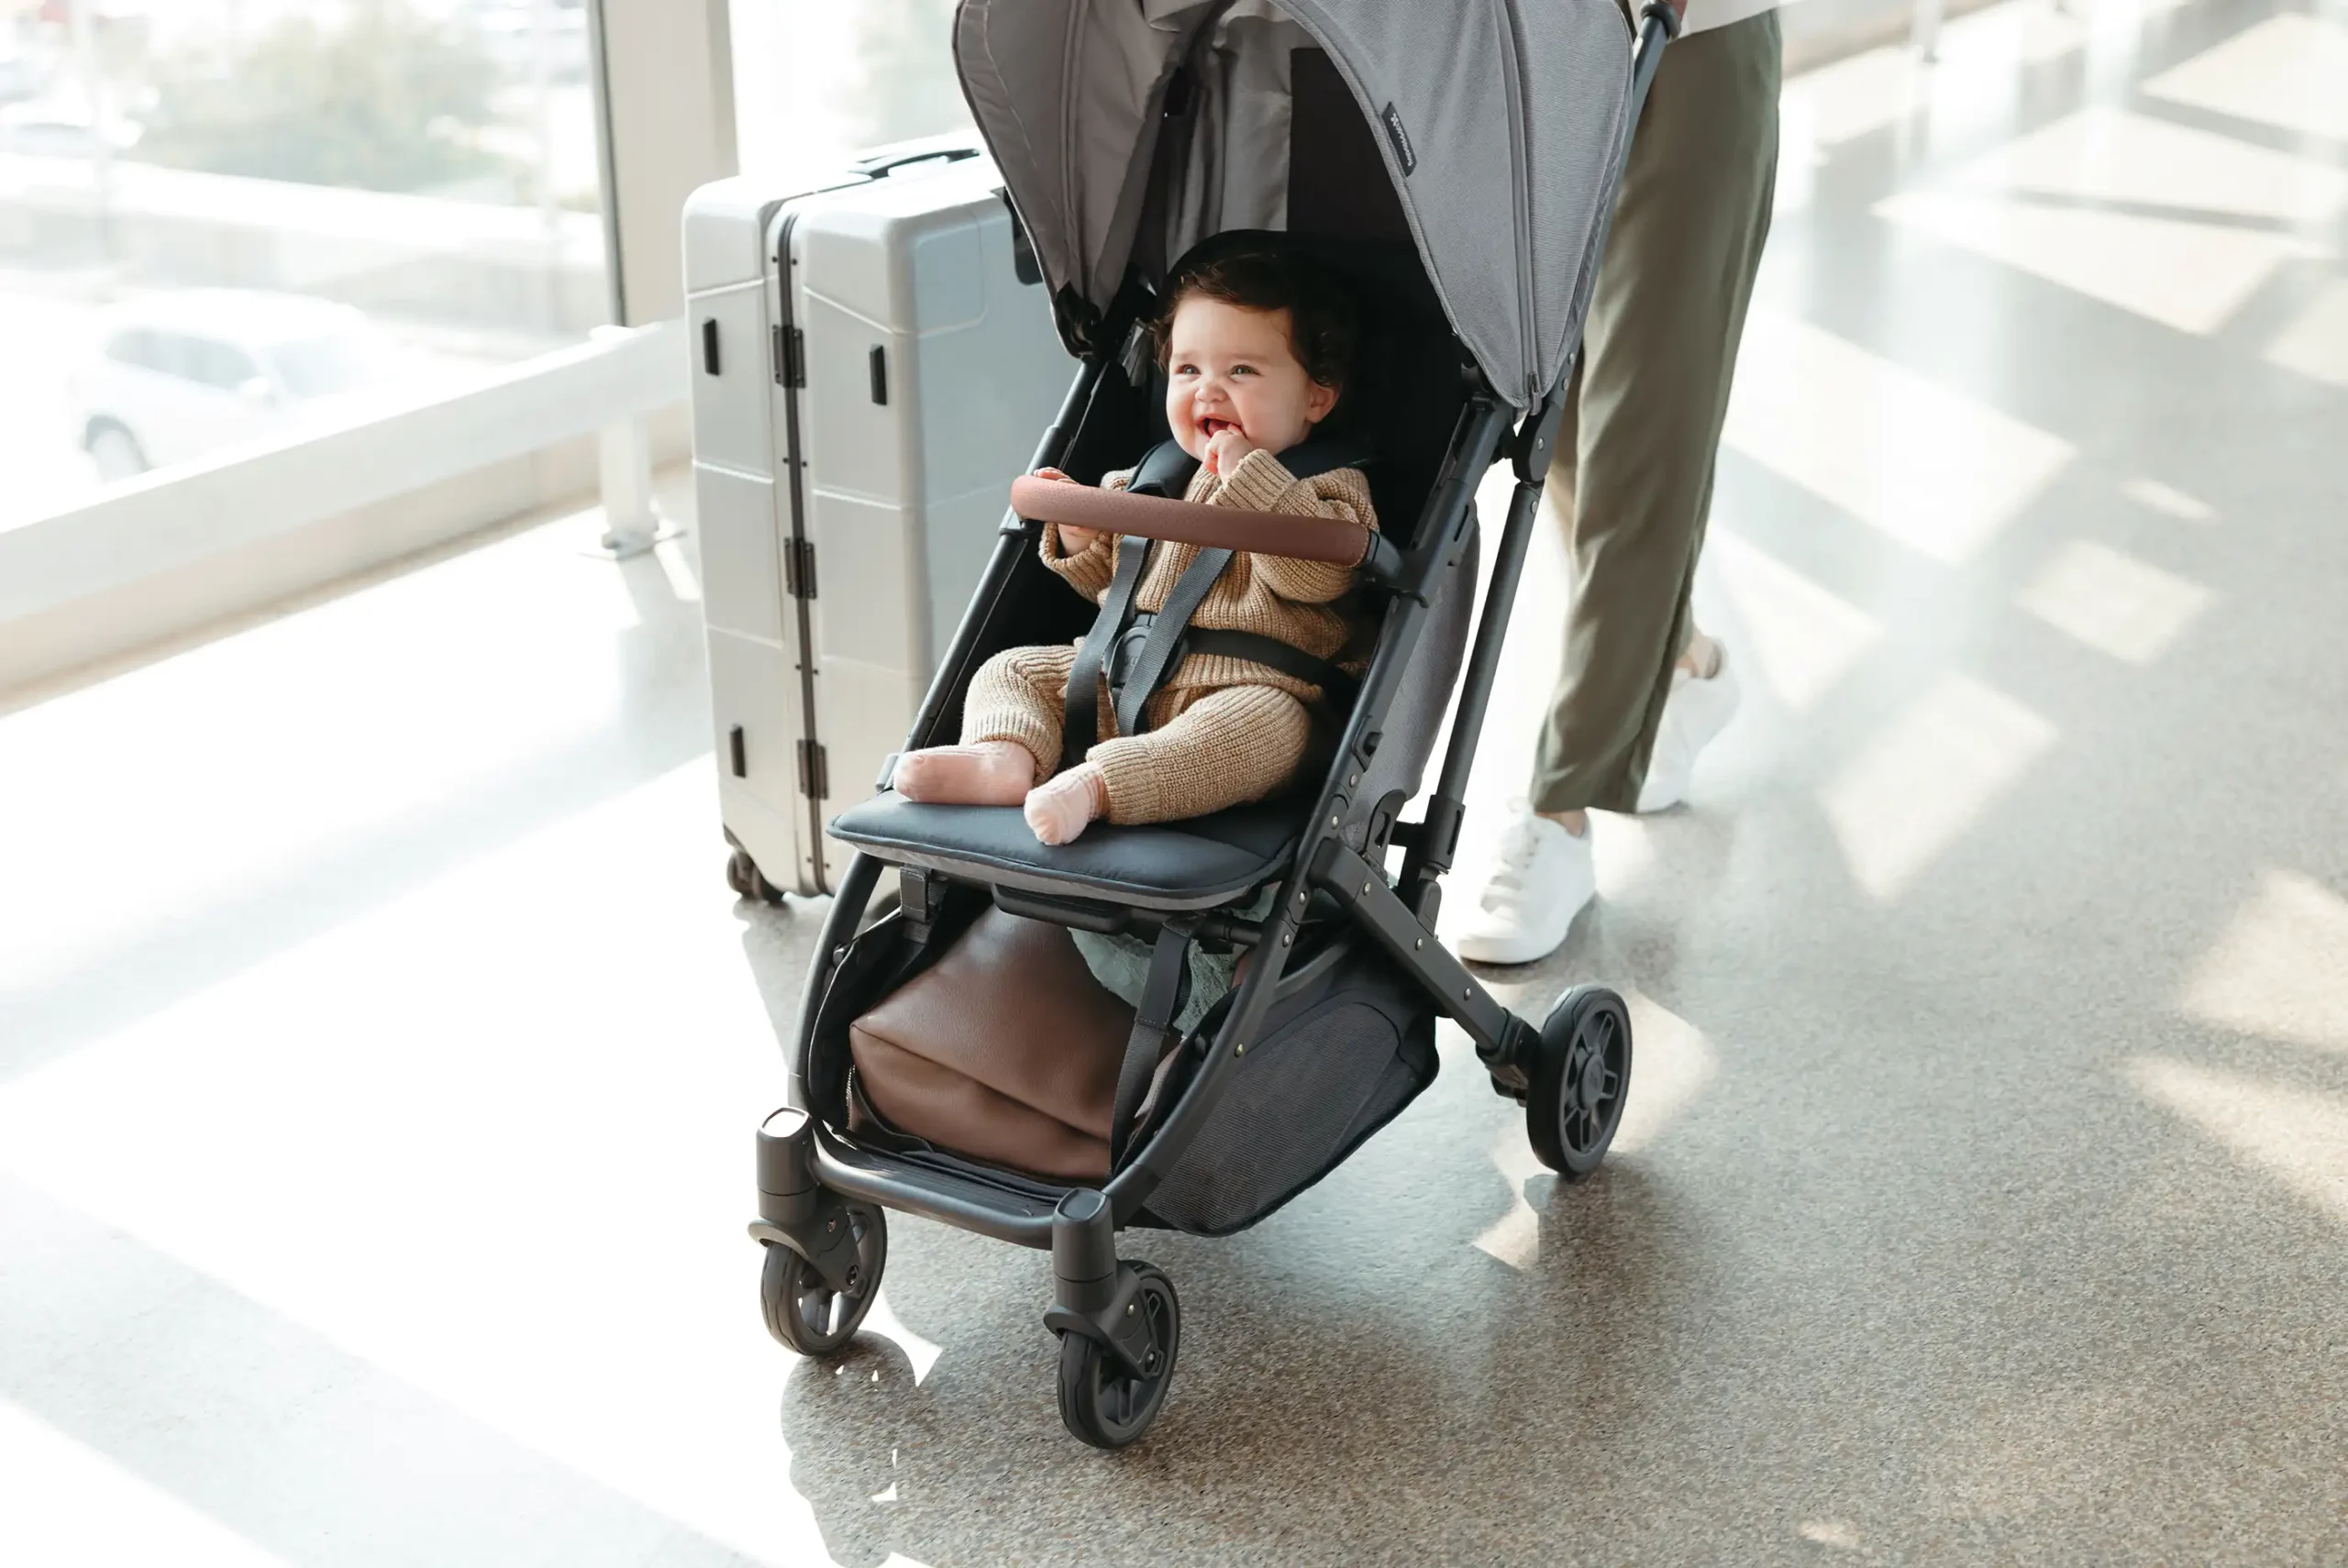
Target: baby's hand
(1074, 540)
(1224, 450)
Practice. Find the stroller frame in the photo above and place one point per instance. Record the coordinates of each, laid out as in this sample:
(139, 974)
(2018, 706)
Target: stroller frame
(821, 1193)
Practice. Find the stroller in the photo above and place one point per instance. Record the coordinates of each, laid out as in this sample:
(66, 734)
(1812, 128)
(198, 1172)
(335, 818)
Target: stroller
(1456, 164)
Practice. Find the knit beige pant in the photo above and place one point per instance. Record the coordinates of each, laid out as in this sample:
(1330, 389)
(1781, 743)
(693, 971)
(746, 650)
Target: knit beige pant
(1205, 749)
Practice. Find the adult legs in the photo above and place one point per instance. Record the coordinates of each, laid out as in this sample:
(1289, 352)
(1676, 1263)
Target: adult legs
(1633, 478)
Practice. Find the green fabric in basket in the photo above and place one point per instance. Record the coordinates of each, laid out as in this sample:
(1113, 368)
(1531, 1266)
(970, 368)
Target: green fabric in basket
(1122, 966)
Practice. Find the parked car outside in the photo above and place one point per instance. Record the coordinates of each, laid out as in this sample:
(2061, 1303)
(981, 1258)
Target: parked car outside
(21, 76)
(188, 373)
(44, 128)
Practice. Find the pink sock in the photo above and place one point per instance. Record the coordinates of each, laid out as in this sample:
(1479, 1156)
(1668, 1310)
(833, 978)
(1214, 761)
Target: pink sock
(992, 773)
(1061, 809)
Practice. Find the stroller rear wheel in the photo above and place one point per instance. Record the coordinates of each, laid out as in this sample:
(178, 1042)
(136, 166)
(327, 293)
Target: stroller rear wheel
(802, 1310)
(1579, 1081)
(1102, 1399)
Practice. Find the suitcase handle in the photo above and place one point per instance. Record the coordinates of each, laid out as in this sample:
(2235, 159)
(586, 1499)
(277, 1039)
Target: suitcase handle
(878, 165)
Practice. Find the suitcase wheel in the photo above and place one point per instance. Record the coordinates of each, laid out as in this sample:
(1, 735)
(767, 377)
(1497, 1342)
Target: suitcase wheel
(743, 876)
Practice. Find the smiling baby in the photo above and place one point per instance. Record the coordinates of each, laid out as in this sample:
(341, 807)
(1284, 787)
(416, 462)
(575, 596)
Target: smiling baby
(1257, 350)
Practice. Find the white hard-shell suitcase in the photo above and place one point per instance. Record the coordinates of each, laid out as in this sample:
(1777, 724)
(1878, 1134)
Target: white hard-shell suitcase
(873, 363)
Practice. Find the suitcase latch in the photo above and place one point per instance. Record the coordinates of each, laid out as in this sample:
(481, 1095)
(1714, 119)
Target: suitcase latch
(798, 567)
(814, 771)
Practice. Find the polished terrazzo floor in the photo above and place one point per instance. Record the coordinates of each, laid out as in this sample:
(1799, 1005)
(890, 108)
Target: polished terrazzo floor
(379, 1049)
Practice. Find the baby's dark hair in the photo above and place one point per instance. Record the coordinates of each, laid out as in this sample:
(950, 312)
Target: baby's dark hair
(1319, 311)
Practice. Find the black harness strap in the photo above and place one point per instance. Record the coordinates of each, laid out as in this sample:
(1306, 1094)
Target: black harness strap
(1080, 722)
(1164, 470)
(1257, 648)
(1162, 996)
(1157, 659)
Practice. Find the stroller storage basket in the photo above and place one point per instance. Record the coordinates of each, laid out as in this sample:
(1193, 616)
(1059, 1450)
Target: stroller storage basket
(1335, 1065)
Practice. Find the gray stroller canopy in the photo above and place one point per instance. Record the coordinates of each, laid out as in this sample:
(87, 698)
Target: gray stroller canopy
(1500, 122)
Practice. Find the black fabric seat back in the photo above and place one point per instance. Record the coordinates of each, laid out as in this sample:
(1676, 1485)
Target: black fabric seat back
(1342, 210)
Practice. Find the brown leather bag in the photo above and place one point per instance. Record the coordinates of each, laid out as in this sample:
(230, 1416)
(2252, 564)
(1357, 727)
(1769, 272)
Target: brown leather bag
(1005, 1050)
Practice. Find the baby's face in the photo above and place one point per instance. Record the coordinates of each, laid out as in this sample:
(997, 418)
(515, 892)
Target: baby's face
(1229, 366)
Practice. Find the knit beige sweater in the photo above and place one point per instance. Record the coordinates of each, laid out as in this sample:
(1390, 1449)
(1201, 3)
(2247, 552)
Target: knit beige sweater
(1273, 596)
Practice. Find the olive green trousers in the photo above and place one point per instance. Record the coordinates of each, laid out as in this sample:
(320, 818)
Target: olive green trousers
(1632, 476)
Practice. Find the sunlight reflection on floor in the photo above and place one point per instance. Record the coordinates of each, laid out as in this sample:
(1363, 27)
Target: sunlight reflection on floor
(2168, 501)
(1672, 1064)
(1803, 638)
(1515, 1238)
(2104, 154)
(342, 749)
(2281, 968)
(2184, 274)
(2111, 601)
(2149, 235)
(2316, 344)
(1927, 776)
(1976, 72)
(1929, 467)
(73, 1507)
(585, 1041)
(2287, 72)
(2296, 1136)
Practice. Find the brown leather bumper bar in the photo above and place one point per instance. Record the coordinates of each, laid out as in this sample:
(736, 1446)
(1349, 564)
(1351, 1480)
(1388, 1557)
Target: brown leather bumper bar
(1187, 522)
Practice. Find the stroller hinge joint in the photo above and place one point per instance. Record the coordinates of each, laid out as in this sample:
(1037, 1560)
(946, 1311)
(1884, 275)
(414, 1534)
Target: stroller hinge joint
(1361, 889)
(1438, 832)
(1384, 563)
(920, 896)
(1536, 438)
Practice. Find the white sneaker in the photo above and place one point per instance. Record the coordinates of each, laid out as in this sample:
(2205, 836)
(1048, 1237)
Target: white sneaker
(1542, 877)
(1697, 710)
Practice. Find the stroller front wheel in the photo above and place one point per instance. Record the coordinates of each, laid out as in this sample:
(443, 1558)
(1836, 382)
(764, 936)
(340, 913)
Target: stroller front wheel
(1579, 1081)
(802, 1310)
(1103, 1401)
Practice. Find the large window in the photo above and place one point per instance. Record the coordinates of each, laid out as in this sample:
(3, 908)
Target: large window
(817, 82)
(222, 221)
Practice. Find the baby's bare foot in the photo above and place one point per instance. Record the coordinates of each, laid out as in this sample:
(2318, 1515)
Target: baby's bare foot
(992, 773)
(1064, 807)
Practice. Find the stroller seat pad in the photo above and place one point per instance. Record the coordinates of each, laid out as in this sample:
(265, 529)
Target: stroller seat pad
(1194, 865)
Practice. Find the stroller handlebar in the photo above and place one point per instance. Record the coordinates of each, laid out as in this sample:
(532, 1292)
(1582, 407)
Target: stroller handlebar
(1659, 22)
(1191, 522)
